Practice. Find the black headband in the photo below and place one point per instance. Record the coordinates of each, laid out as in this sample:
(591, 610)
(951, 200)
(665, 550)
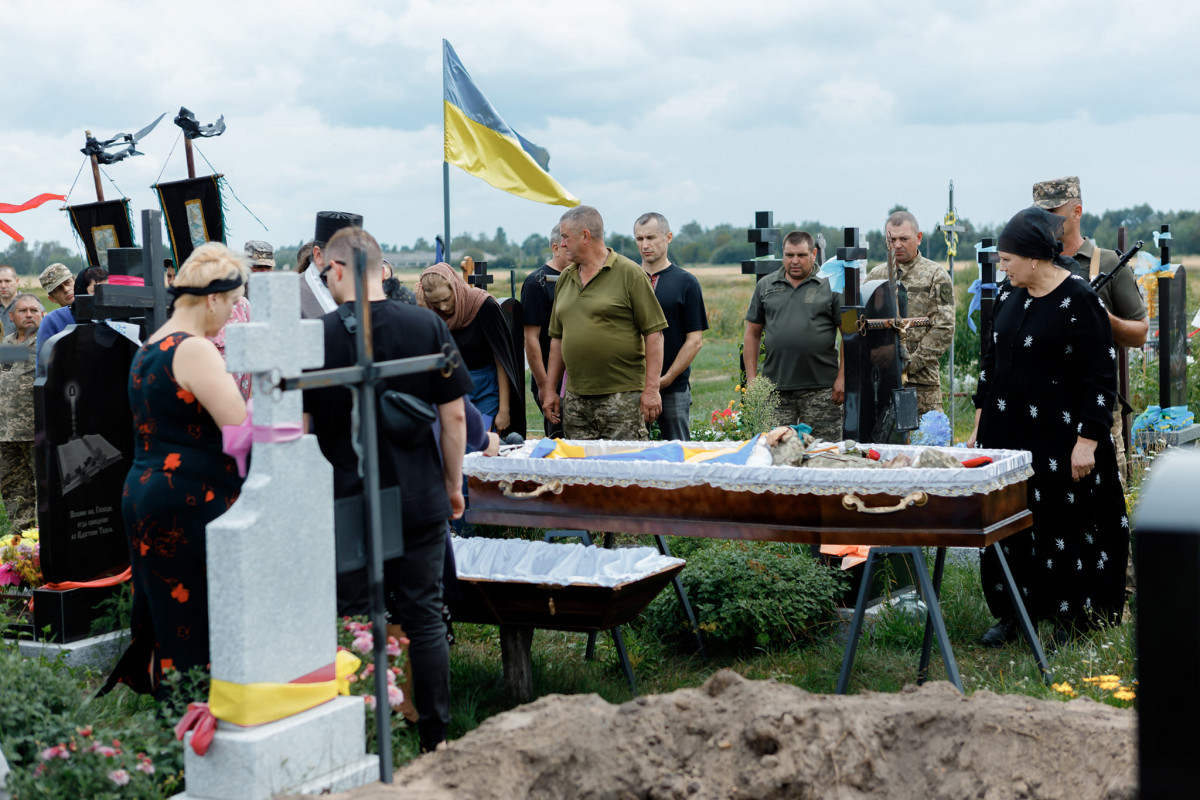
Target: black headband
(215, 287)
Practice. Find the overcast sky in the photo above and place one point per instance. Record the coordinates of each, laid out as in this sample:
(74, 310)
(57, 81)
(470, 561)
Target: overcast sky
(701, 110)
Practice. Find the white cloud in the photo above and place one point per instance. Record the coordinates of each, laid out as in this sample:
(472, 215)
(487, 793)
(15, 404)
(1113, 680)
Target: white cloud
(831, 110)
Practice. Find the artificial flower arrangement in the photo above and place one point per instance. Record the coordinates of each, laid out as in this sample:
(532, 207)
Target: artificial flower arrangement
(21, 561)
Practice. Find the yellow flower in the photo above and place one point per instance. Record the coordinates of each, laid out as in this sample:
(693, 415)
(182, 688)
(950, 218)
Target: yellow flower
(1108, 686)
(1124, 694)
(1064, 688)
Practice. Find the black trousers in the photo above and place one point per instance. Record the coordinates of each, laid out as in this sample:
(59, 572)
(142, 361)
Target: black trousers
(413, 594)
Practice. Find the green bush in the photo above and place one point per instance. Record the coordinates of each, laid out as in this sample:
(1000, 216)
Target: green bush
(39, 701)
(749, 594)
(62, 743)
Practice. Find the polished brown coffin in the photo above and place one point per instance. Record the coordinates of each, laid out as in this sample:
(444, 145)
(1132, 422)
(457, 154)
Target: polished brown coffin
(922, 515)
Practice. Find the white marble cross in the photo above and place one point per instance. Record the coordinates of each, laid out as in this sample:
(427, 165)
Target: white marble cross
(272, 599)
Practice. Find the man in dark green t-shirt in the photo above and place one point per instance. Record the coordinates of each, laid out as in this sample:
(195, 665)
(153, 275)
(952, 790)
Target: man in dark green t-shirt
(798, 312)
(606, 332)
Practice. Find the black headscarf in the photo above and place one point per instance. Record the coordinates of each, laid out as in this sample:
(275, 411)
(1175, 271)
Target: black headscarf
(1033, 233)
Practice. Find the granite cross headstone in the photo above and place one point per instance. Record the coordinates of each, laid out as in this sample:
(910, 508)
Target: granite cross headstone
(479, 277)
(272, 606)
(768, 250)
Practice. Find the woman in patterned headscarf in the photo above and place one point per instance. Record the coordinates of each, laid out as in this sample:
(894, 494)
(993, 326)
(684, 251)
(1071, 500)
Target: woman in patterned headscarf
(485, 341)
(1046, 385)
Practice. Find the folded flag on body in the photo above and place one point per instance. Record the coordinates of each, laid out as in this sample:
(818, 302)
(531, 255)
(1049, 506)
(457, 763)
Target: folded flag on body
(671, 452)
(478, 141)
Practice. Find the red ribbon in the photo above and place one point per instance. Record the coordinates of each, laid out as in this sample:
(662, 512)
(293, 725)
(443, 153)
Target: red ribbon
(201, 722)
(9, 208)
(113, 580)
(126, 280)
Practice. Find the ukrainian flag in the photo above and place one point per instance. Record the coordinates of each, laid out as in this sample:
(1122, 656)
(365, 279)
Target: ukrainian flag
(478, 141)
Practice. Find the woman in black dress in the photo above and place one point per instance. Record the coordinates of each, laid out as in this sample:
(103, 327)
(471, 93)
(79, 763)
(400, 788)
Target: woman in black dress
(1046, 385)
(180, 480)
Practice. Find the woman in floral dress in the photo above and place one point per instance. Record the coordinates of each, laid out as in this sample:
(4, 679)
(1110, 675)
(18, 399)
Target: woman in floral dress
(180, 480)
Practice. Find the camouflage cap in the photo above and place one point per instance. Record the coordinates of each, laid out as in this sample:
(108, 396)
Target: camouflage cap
(260, 253)
(1056, 193)
(55, 276)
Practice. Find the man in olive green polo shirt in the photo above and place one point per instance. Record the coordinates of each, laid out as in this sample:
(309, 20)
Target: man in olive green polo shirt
(606, 331)
(1126, 311)
(798, 312)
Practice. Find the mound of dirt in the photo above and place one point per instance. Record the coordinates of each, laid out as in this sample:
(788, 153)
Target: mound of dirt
(734, 738)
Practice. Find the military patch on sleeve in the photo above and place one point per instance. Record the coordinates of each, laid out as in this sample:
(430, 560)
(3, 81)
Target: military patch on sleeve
(946, 293)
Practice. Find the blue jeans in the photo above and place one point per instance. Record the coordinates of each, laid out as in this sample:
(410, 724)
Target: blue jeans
(675, 421)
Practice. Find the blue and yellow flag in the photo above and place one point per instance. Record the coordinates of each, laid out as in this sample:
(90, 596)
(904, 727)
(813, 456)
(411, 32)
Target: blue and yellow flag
(478, 141)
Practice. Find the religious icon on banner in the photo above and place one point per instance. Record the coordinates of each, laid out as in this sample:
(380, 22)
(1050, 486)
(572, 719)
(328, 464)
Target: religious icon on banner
(192, 212)
(101, 226)
(104, 237)
(195, 220)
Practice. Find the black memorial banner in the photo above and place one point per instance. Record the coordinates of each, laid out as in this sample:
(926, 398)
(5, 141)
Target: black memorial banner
(102, 226)
(193, 212)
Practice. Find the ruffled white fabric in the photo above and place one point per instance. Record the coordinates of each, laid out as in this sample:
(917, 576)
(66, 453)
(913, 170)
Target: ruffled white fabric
(521, 561)
(1007, 467)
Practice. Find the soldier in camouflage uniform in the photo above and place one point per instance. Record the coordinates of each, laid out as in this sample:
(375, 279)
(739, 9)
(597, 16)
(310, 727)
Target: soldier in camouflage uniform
(17, 482)
(930, 294)
(1127, 313)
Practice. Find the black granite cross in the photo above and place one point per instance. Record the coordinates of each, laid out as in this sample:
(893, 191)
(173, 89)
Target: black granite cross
(480, 277)
(148, 302)
(768, 249)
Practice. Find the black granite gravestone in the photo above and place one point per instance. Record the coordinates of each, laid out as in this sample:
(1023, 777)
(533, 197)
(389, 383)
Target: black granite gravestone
(1172, 330)
(987, 290)
(84, 447)
(1168, 627)
(83, 441)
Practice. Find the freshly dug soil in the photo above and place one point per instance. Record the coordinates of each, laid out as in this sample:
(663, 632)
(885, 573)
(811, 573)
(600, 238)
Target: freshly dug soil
(734, 738)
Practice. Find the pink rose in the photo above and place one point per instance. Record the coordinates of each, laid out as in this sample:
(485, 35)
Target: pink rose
(119, 776)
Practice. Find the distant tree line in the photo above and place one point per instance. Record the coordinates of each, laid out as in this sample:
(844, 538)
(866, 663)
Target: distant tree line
(694, 244)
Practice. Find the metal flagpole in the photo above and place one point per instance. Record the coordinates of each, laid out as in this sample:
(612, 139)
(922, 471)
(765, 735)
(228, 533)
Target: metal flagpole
(950, 230)
(446, 209)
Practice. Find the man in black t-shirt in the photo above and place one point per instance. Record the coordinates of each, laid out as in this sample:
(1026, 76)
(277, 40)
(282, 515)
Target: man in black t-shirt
(678, 293)
(537, 300)
(430, 490)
